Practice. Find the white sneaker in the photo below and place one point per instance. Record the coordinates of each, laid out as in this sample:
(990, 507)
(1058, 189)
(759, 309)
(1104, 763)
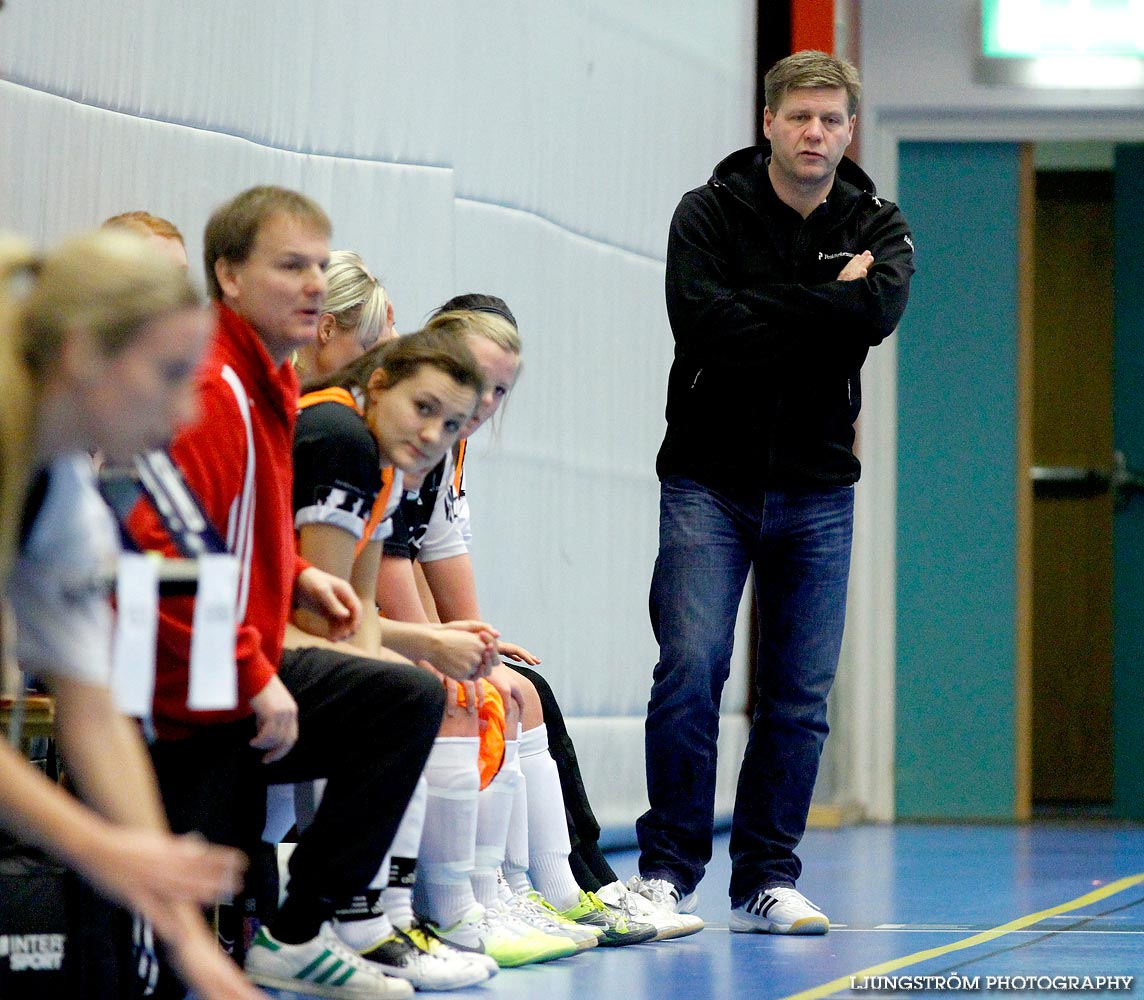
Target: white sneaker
(534, 910)
(408, 955)
(781, 909)
(515, 942)
(661, 892)
(667, 923)
(468, 933)
(323, 967)
(497, 933)
(424, 938)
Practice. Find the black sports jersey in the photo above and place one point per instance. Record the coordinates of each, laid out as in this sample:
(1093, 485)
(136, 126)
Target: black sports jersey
(337, 473)
(411, 517)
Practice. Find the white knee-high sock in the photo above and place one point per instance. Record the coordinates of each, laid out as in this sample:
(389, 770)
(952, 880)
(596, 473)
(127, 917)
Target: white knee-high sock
(398, 871)
(494, 810)
(443, 890)
(548, 844)
(515, 865)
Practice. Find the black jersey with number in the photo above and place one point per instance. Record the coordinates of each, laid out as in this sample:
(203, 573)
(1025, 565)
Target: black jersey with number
(337, 471)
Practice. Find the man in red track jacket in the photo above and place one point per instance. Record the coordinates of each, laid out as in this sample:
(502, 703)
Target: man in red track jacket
(301, 714)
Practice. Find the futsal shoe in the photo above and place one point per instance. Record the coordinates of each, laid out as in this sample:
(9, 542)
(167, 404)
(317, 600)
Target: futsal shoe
(501, 936)
(408, 955)
(533, 909)
(781, 909)
(323, 966)
(667, 923)
(425, 937)
(661, 892)
(618, 929)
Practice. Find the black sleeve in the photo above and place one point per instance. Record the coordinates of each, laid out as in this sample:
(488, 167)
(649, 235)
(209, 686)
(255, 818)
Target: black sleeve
(336, 468)
(710, 318)
(715, 319)
(411, 518)
(865, 310)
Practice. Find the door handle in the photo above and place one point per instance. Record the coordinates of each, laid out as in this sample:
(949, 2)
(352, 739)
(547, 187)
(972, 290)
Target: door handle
(1069, 480)
(1088, 481)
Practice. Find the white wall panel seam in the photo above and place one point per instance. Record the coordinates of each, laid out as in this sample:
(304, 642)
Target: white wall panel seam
(335, 154)
(231, 133)
(562, 227)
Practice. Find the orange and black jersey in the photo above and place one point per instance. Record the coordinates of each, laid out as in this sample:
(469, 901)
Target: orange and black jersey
(338, 477)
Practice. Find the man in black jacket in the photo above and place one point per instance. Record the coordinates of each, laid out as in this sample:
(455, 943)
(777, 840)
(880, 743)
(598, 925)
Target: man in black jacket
(782, 272)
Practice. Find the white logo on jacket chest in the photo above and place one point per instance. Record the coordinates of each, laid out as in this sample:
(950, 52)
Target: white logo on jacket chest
(834, 256)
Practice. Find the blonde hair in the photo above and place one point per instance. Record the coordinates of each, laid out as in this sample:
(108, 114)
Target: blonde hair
(355, 298)
(16, 443)
(110, 284)
(491, 326)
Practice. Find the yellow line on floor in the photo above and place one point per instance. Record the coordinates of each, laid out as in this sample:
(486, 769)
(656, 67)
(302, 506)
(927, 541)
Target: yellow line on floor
(843, 982)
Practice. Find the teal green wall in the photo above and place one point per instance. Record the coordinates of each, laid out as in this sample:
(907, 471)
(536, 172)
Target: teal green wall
(1128, 423)
(957, 408)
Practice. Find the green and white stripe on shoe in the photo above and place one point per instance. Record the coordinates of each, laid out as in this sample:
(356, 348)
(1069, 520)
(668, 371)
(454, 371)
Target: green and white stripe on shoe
(323, 966)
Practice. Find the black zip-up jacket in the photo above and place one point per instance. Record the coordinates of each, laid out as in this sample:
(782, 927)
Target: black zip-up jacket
(764, 389)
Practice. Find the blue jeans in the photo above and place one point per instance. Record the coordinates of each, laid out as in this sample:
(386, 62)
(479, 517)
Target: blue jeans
(798, 542)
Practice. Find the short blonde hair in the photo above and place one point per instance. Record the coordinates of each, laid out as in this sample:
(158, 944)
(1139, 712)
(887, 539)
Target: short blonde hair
(811, 68)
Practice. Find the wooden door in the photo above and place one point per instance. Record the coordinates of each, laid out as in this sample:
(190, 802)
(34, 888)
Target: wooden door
(1072, 503)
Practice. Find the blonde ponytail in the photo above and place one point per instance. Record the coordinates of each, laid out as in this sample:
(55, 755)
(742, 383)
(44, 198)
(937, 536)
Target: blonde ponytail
(17, 265)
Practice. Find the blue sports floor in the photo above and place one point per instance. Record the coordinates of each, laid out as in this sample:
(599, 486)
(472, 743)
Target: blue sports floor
(1032, 903)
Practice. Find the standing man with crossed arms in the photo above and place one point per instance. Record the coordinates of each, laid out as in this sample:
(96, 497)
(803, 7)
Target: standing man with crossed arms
(782, 272)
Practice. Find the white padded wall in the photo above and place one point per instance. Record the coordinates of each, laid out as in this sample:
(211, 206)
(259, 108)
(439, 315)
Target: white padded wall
(100, 172)
(535, 151)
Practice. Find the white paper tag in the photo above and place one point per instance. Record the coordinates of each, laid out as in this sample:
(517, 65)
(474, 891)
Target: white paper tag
(136, 630)
(214, 675)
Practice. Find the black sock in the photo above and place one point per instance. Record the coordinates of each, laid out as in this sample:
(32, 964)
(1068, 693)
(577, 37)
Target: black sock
(299, 921)
(362, 906)
(582, 873)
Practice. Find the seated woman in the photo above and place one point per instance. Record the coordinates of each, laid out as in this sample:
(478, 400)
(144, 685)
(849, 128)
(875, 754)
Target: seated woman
(97, 352)
(401, 407)
(531, 836)
(547, 754)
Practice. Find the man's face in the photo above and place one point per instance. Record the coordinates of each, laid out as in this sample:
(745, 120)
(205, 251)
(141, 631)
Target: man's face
(809, 132)
(280, 288)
